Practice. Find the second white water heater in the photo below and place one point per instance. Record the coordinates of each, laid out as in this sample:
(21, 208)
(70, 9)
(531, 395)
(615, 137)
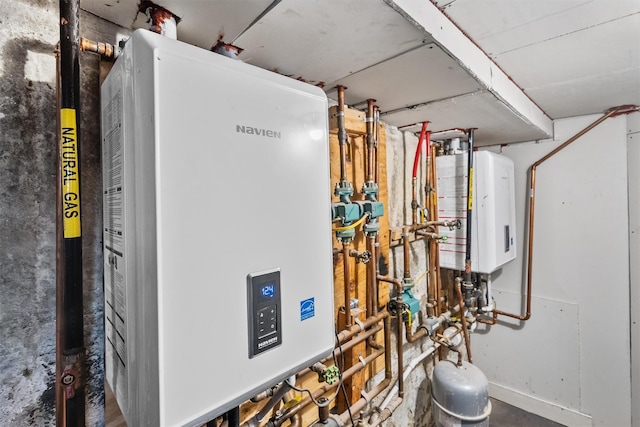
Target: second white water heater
(493, 229)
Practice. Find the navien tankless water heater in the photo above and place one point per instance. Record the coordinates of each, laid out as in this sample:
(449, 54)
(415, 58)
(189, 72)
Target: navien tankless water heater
(494, 213)
(217, 231)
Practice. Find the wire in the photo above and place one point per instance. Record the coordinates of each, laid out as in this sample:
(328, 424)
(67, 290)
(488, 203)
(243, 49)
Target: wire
(328, 402)
(354, 225)
(344, 390)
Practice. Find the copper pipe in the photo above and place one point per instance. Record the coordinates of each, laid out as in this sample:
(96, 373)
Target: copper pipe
(296, 421)
(386, 413)
(414, 200)
(433, 280)
(370, 279)
(622, 109)
(433, 212)
(411, 338)
(377, 129)
(342, 134)
(399, 343)
(326, 387)
(369, 120)
(398, 283)
(343, 348)
(467, 341)
(362, 402)
(354, 330)
(493, 321)
(388, 374)
(347, 284)
(372, 273)
(406, 253)
(427, 234)
(105, 50)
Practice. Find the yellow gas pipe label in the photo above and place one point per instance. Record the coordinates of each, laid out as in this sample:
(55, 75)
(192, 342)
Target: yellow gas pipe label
(470, 207)
(70, 176)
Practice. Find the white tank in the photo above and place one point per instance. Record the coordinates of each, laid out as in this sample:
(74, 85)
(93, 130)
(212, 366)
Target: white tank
(493, 215)
(217, 231)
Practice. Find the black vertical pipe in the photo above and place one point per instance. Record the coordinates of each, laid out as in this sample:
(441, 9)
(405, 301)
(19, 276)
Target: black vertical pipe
(73, 351)
(467, 257)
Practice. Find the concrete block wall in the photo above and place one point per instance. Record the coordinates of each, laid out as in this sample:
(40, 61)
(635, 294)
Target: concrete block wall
(28, 158)
(401, 147)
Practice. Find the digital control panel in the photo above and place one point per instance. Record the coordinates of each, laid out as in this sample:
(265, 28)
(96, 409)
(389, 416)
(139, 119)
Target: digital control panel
(264, 306)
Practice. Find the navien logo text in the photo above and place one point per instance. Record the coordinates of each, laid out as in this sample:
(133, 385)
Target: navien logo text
(258, 131)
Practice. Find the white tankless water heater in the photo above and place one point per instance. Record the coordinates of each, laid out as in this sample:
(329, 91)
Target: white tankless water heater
(493, 232)
(217, 231)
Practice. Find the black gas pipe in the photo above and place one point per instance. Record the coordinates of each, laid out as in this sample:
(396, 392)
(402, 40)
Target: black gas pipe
(72, 354)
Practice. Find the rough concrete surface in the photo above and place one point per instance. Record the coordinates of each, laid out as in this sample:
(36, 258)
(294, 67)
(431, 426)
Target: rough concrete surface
(415, 409)
(28, 157)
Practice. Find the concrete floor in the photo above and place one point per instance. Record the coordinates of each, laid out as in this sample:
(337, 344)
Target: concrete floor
(502, 415)
(505, 415)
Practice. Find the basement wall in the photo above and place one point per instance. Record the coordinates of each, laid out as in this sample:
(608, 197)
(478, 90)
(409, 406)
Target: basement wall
(28, 153)
(401, 147)
(571, 361)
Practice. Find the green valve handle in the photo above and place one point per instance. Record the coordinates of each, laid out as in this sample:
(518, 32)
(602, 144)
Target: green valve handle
(331, 375)
(444, 238)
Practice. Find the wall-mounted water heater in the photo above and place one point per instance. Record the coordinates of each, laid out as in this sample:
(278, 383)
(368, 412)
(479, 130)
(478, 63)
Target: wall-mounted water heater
(217, 230)
(494, 214)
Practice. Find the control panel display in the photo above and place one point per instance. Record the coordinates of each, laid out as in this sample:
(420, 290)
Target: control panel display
(268, 291)
(264, 306)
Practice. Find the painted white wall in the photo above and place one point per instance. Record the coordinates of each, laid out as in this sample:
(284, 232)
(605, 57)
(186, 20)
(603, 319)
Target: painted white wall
(571, 361)
(633, 162)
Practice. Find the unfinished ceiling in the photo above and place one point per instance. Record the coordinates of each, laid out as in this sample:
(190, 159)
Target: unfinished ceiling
(505, 67)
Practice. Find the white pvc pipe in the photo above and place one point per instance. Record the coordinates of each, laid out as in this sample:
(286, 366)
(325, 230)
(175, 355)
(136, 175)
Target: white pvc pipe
(414, 363)
(407, 371)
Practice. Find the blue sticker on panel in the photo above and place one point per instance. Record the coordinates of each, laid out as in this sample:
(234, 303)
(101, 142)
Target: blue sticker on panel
(307, 309)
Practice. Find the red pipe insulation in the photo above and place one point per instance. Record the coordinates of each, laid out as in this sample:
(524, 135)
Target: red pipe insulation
(416, 159)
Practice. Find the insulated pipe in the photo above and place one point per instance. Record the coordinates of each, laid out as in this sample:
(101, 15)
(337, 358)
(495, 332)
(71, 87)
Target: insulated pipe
(463, 318)
(342, 134)
(73, 351)
(414, 174)
(622, 109)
